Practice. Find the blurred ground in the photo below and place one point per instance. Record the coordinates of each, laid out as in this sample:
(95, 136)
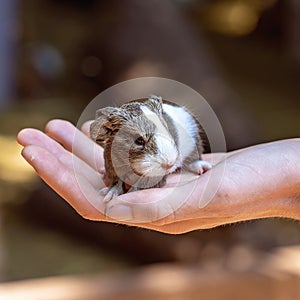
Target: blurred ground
(40, 236)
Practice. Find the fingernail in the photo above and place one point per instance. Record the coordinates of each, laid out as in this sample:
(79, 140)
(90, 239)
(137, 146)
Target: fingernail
(27, 154)
(120, 213)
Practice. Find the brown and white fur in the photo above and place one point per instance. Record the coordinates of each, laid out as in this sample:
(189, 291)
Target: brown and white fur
(144, 141)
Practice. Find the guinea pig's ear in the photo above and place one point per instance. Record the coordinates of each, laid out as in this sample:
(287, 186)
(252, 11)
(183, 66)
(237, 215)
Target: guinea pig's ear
(108, 121)
(107, 111)
(155, 103)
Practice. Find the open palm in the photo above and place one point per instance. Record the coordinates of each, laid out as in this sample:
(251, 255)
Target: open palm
(253, 182)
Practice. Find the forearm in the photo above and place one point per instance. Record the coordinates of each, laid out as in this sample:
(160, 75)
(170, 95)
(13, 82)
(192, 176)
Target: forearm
(259, 182)
(290, 204)
(280, 189)
(291, 186)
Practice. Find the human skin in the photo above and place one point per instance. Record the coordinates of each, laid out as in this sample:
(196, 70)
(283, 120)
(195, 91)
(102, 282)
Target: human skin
(262, 181)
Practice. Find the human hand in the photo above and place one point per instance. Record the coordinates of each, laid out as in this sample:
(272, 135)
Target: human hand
(255, 182)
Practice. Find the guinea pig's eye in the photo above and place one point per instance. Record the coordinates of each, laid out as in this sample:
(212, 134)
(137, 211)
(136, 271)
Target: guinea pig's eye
(140, 141)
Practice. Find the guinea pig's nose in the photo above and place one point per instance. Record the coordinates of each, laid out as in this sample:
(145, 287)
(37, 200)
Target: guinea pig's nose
(167, 165)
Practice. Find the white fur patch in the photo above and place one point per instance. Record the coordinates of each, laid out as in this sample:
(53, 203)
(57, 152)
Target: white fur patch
(167, 150)
(186, 128)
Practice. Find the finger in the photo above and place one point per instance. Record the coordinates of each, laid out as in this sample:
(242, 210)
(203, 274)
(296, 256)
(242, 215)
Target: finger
(32, 136)
(208, 217)
(86, 128)
(64, 181)
(150, 206)
(75, 141)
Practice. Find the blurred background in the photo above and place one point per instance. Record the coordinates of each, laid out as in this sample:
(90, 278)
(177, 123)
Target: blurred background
(243, 56)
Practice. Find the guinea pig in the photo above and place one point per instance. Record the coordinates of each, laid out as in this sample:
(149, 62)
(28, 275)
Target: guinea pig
(145, 140)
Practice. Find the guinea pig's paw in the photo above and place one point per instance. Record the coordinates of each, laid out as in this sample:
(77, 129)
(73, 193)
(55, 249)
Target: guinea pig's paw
(104, 191)
(200, 166)
(110, 193)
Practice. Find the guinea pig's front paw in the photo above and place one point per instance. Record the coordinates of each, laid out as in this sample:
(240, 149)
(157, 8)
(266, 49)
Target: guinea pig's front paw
(111, 192)
(200, 166)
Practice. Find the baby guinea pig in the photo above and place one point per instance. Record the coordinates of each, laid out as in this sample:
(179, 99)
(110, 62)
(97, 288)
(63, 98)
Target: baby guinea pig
(144, 141)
